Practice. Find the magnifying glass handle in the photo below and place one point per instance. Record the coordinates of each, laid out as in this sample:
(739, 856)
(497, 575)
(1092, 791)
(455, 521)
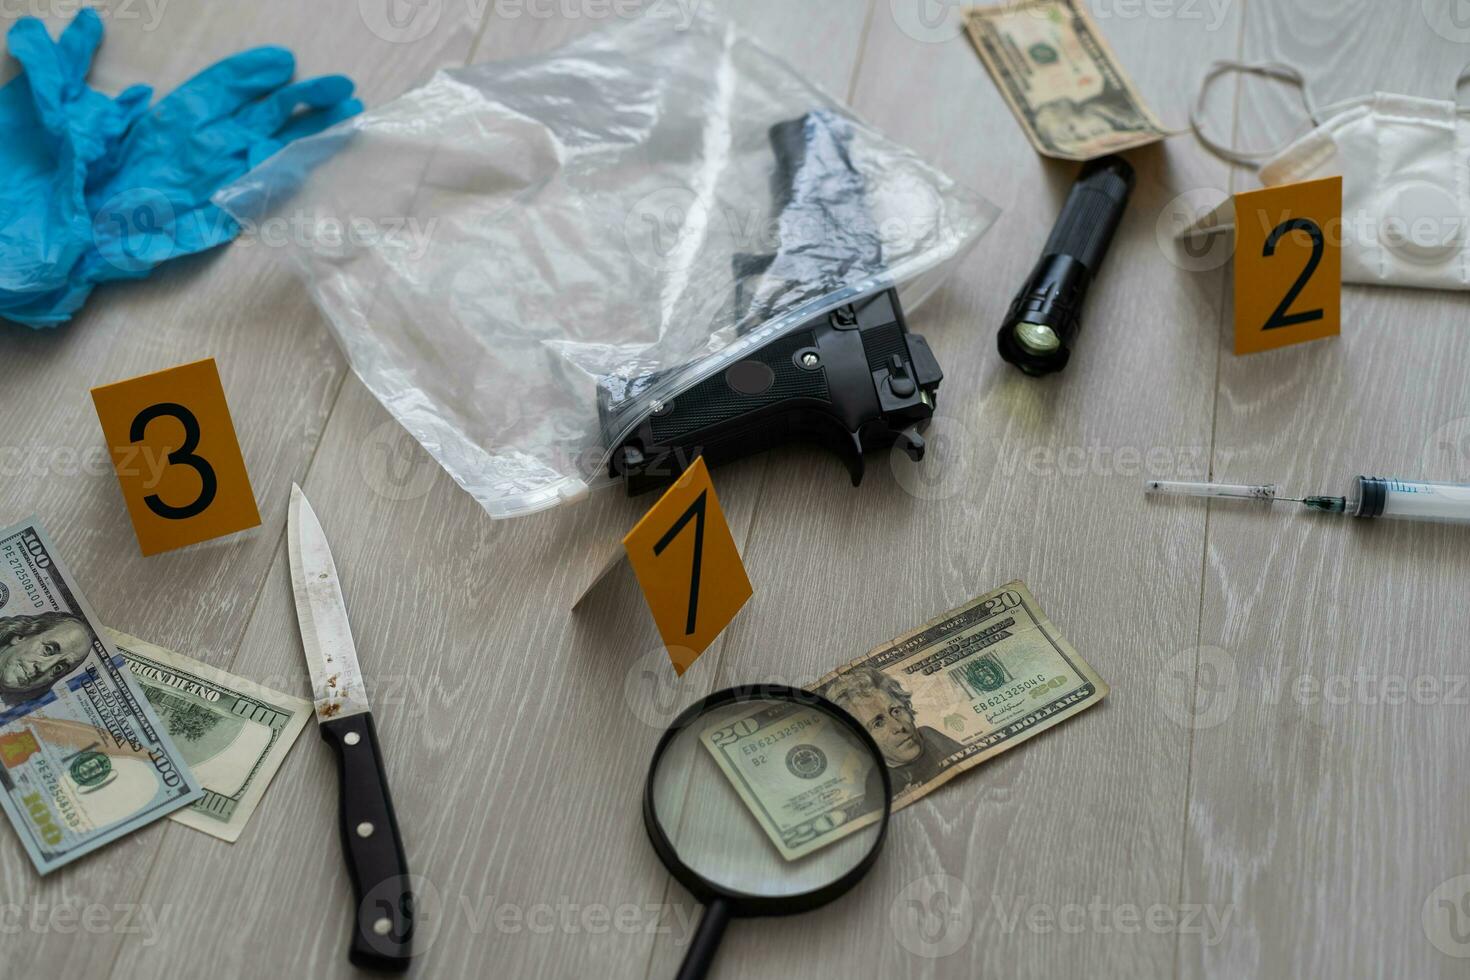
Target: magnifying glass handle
(706, 940)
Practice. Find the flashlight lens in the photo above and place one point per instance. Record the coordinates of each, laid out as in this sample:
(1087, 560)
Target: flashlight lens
(1037, 338)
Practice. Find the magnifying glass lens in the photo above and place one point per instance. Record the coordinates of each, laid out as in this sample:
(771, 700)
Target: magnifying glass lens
(769, 797)
(766, 801)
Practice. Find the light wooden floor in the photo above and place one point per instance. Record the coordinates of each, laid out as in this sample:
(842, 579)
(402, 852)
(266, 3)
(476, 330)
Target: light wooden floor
(1205, 821)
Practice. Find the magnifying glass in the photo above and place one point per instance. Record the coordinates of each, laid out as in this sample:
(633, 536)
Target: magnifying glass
(765, 800)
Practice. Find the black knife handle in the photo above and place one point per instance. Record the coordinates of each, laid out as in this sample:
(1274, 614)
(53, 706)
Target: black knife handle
(382, 935)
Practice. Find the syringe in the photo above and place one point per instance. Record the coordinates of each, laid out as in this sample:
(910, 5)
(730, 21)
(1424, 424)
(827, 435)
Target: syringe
(1371, 497)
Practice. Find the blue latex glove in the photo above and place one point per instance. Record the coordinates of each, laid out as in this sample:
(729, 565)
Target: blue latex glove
(150, 199)
(54, 129)
(148, 194)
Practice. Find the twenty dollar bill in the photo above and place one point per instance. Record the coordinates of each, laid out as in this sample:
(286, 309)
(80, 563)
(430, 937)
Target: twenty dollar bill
(84, 758)
(964, 688)
(938, 701)
(1061, 79)
(233, 733)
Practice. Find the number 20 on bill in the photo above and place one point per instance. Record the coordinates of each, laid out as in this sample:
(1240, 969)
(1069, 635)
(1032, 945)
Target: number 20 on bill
(1288, 265)
(177, 460)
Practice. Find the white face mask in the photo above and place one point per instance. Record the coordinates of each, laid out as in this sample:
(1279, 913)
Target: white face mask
(1405, 164)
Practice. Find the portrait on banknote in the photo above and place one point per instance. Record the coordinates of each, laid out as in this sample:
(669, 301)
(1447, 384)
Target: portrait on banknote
(914, 752)
(37, 651)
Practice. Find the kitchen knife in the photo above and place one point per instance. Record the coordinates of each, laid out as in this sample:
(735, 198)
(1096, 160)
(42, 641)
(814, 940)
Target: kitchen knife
(383, 927)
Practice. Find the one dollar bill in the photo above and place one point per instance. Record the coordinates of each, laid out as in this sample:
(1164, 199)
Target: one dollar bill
(938, 701)
(1061, 79)
(233, 733)
(84, 758)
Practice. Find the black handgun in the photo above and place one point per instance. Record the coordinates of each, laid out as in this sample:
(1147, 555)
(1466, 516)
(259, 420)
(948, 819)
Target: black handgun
(853, 379)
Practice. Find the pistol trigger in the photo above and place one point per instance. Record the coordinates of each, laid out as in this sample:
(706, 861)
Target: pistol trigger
(853, 457)
(913, 444)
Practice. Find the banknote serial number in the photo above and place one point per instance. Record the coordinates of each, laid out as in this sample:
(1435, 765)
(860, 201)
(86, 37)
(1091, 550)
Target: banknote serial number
(16, 561)
(1005, 695)
(747, 727)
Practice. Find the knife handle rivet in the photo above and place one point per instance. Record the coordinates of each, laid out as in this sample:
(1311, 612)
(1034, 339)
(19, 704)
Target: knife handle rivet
(364, 829)
(351, 738)
(383, 926)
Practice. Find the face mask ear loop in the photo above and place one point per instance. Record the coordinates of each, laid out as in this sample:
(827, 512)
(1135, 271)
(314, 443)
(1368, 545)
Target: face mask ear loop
(1266, 69)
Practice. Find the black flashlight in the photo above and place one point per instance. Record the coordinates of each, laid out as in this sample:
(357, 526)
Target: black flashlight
(1045, 316)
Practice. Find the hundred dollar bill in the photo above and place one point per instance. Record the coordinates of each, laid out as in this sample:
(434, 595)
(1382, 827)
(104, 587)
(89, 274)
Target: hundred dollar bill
(233, 733)
(84, 758)
(938, 701)
(1061, 79)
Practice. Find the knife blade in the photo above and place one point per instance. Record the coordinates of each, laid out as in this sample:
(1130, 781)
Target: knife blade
(383, 926)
